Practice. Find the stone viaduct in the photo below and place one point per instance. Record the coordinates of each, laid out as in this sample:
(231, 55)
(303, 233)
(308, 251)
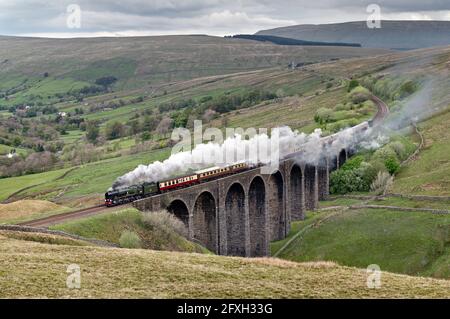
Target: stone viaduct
(239, 215)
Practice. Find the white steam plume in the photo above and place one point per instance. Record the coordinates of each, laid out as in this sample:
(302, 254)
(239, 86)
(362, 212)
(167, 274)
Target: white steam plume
(237, 149)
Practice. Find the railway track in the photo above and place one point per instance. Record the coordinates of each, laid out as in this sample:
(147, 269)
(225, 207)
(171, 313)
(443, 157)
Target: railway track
(383, 110)
(57, 219)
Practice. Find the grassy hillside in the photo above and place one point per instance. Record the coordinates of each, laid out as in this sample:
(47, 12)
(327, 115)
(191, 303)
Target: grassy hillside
(392, 34)
(10, 186)
(110, 227)
(25, 210)
(119, 273)
(65, 65)
(88, 181)
(429, 173)
(410, 243)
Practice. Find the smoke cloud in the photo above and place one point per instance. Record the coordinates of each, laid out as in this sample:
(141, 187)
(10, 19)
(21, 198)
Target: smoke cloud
(255, 150)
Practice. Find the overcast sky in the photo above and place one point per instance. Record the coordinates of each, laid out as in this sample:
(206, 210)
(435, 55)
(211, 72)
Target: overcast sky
(214, 17)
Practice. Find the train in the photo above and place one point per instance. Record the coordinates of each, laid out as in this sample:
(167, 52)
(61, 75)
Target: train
(136, 192)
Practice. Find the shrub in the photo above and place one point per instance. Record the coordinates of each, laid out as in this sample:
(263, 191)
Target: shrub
(384, 154)
(353, 163)
(382, 183)
(166, 222)
(356, 177)
(323, 115)
(392, 165)
(359, 95)
(130, 240)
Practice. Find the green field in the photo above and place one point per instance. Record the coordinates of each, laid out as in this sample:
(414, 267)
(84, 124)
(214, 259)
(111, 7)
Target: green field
(9, 186)
(91, 179)
(410, 243)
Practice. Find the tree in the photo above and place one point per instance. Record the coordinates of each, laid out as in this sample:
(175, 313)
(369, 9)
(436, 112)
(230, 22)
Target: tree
(114, 130)
(92, 131)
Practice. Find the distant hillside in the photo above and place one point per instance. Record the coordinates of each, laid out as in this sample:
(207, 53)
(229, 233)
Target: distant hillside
(143, 60)
(289, 41)
(392, 35)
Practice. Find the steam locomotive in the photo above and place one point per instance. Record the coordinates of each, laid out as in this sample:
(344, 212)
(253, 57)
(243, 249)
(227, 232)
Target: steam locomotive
(137, 192)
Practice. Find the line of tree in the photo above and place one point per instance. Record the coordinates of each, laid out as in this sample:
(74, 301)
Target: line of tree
(290, 41)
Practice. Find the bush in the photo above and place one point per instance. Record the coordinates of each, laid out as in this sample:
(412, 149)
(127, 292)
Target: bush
(353, 163)
(392, 165)
(384, 154)
(130, 240)
(359, 95)
(323, 115)
(166, 222)
(356, 177)
(382, 183)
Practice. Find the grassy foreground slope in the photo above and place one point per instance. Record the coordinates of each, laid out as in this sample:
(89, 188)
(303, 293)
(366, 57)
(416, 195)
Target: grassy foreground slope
(411, 243)
(115, 273)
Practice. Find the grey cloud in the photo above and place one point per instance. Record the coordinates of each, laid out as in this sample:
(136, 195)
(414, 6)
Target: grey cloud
(203, 16)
